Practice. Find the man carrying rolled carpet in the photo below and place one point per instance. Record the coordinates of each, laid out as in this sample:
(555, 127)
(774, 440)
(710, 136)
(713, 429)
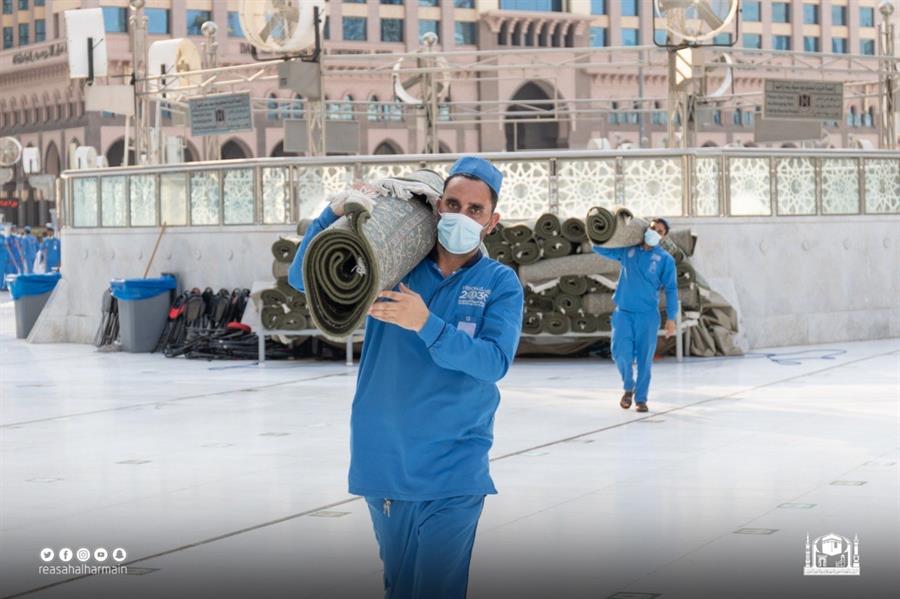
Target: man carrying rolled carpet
(423, 413)
(646, 268)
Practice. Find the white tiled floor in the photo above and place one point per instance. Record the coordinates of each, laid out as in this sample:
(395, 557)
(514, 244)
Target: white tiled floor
(241, 468)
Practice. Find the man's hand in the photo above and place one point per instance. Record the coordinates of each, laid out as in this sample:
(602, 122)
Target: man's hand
(339, 201)
(406, 309)
(670, 328)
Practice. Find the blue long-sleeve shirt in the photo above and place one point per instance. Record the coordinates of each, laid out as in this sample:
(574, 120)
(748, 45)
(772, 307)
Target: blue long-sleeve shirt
(643, 274)
(29, 248)
(422, 418)
(50, 247)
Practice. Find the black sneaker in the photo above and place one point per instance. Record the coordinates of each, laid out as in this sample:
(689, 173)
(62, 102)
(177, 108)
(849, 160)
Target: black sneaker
(625, 402)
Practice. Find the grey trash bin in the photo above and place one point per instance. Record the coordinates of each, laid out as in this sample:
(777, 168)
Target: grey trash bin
(30, 293)
(143, 311)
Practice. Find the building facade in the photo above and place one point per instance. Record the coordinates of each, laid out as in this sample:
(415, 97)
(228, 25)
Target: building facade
(43, 108)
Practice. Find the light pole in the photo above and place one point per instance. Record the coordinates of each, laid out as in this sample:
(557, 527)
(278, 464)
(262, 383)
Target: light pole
(887, 134)
(137, 37)
(210, 60)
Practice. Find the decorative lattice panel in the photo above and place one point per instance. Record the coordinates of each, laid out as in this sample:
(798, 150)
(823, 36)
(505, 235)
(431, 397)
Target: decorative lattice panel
(114, 201)
(706, 187)
(653, 186)
(84, 202)
(205, 200)
(882, 185)
(276, 195)
(143, 200)
(173, 199)
(749, 186)
(238, 193)
(314, 184)
(583, 184)
(840, 186)
(525, 193)
(796, 185)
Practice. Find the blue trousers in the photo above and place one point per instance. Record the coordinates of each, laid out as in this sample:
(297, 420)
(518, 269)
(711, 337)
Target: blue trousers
(634, 340)
(426, 546)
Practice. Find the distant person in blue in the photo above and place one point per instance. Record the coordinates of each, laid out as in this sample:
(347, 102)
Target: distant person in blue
(646, 268)
(51, 249)
(423, 414)
(4, 257)
(29, 248)
(14, 254)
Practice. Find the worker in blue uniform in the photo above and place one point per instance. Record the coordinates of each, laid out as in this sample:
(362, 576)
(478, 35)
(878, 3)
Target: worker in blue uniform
(645, 269)
(4, 257)
(423, 413)
(51, 249)
(29, 248)
(15, 257)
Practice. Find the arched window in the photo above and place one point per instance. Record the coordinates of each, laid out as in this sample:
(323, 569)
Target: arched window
(870, 117)
(297, 108)
(373, 109)
(737, 117)
(851, 117)
(346, 110)
(272, 107)
(613, 117)
(717, 117)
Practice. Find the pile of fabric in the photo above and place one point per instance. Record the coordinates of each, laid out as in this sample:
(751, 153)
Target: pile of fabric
(283, 307)
(519, 245)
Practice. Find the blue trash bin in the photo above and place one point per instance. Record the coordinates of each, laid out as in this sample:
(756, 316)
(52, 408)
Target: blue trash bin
(30, 292)
(143, 310)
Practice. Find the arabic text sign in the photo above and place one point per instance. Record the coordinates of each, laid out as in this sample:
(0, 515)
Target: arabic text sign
(222, 113)
(788, 99)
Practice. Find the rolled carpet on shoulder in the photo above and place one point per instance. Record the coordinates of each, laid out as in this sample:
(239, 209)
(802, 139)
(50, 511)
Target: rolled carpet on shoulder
(349, 263)
(615, 228)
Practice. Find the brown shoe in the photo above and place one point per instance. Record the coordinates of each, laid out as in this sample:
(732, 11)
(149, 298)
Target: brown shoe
(625, 402)
(642, 407)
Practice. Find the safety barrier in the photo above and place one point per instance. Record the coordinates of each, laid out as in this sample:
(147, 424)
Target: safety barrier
(695, 183)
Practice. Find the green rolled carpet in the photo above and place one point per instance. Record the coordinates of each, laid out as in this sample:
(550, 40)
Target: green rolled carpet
(573, 284)
(538, 302)
(272, 317)
(273, 297)
(567, 304)
(526, 252)
(515, 234)
(349, 263)
(583, 323)
(604, 323)
(531, 323)
(554, 323)
(555, 247)
(615, 228)
(574, 230)
(547, 226)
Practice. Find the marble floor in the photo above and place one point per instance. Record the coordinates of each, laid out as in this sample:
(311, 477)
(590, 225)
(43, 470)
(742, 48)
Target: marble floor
(229, 480)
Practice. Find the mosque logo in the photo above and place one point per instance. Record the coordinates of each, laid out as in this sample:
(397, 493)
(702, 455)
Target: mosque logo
(832, 555)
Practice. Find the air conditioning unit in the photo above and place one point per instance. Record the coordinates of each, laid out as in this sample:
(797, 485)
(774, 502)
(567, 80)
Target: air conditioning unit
(31, 160)
(86, 157)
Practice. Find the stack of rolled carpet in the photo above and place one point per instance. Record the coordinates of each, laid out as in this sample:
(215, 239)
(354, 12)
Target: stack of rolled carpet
(283, 307)
(519, 245)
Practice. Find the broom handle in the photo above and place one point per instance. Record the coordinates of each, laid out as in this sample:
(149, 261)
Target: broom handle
(155, 247)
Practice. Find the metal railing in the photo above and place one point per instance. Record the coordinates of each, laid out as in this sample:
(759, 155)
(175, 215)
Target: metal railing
(694, 183)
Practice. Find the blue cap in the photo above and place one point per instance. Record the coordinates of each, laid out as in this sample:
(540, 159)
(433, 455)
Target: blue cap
(479, 168)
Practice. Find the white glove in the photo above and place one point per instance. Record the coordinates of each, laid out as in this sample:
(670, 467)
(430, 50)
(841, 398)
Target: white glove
(405, 190)
(340, 200)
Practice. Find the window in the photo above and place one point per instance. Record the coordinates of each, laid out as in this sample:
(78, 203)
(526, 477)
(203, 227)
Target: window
(839, 45)
(429, 3)
(531, 5)
(464, 33)
(23, 4)
(811, 14)
(867, 47)
(326, 30)
(296, 111)
(464, 3)
(429, 26)
(23, 34)
(752, 40)
(272, 108)
(736, 117)
(867, 16)
(355, 29)
(354, 1)
(39, 2)
(630, 8)
(7, 37)
(751, 12)
(158, 21)
(7, 7)
(115, 19)
(598, 7)
(392, 1)
(40, 30)
(781, 12)
(810, 44)
(598, 37)
(781, 42)
(660, 36)
(196, 19)
(392, 30)
(723, 39)
(838, 15)
(373, 109)
(234, 25)
(630, 37)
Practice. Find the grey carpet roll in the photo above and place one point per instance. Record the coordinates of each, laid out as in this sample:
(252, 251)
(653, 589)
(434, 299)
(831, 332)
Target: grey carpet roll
(500, 251)
(574, 230)
(526, 252)
(349, 263)
(615, 228)
(516, 234)
(555, 247)
(547, 226)
(566, 304)
(554, 323)
(579, 264)
(272, 317)
(684, 239)
(294, 321)
(672, 248)
(574, 284)
(280, 269)
(531, 324)
(597, 303)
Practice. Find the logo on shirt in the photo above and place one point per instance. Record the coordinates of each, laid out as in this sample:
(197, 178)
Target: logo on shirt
(654, 260)
(473, 296)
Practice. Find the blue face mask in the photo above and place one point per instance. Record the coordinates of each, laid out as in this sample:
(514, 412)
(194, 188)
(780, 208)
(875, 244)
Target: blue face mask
(458, 233)
(651, 237)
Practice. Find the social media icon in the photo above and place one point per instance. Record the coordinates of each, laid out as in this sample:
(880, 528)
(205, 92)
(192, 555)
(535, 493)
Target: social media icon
(100, 554)
(83, 554)
(47, 554)
(65, 554)
(119, 554)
